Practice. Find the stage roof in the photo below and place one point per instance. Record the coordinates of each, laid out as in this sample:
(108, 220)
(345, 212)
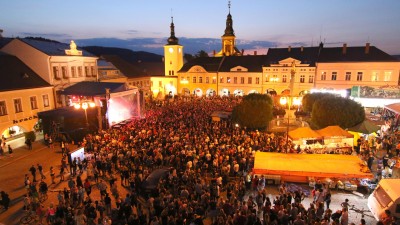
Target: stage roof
(395, 107)
(309, 165)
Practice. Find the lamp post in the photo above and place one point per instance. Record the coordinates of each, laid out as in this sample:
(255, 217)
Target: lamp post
(284, 101)
(85, 105)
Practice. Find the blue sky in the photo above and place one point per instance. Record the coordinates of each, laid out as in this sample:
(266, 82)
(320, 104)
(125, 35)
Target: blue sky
(258, 24)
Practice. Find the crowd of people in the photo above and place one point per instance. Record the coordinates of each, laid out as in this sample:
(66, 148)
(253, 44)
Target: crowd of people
(209, 175)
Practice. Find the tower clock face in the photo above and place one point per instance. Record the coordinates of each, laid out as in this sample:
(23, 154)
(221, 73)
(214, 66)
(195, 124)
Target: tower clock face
(171, 50)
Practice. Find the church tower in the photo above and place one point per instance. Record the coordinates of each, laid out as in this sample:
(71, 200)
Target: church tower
(173, 53)
(228, 39)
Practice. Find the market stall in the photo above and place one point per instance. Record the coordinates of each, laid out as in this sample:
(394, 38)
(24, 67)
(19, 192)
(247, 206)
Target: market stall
(305, 137)
(336, 139)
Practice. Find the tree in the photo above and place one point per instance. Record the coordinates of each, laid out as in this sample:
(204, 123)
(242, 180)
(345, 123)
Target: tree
(332, 110)
(309, 100)
(254, 111)
(188, 57)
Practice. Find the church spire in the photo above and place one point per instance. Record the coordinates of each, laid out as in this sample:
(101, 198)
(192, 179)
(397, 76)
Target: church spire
(229, 23)
(172, 40)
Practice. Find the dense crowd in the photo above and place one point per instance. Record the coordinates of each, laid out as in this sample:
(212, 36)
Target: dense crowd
(208, 168)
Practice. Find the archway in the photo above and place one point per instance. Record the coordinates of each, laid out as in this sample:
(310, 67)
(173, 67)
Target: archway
(238, 92)
(198, 92)
(170, 90)
(286, 92)
(224, 92)
(210, 92)
(185, 92)
(13, 131)
(271, 92)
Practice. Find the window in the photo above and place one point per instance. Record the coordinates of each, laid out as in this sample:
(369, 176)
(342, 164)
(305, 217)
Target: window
(239, 70)
(284, 78)
(87, 71)
(348, 76)
(159, 83)
(207, 80)
(194, 79)
(33, 102)
(200, 80)
(64, 72)
(73, 71)
(311, 79)
(388, 76)
(221, 80)
(80, 71)
(228, 80)
(242, 80)
(3, 108)
(56, 73)
(334, 75)
(323, 76)
(374, 76)
(249, 80)
(235, 80)
(302, 78)
(18, 105)
(93, 69)
(214, 80)
(266, 78)
(46, 102)
(359, 76)
(257, 80)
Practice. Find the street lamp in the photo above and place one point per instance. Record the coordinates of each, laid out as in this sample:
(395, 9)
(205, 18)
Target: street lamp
(85, 105)
(289, 101)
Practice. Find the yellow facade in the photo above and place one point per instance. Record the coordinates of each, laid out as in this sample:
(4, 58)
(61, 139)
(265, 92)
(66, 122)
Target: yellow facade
(173, 59)
(32, 101)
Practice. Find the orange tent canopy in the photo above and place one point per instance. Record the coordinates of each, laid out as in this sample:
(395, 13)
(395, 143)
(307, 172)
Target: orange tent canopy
(334, 131)
(309, 165)
(303, 133)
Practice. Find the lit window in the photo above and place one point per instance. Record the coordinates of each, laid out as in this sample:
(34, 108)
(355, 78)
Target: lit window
(56, 73)
(214, 80)
(46, 102)
(33, 102)
(221, 80)
(388, 76)
(311, 79)
(3, 108)
(284, 78)
(334, 75)
(228, 80)
(359, 76)
(18, 105)
(323, 76)
(302, 78)
(64, 72)
(207, 80)
(348, 76)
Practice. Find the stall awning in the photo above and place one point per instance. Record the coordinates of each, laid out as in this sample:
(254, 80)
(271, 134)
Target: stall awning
(334, 131)
(366, 127)
(395, 107)
(304, 133)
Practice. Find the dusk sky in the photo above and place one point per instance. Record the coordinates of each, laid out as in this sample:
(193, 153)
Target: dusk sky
(258, 24)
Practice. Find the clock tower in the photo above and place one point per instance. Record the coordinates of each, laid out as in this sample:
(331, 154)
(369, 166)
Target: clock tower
(173, 53)
(228, 39)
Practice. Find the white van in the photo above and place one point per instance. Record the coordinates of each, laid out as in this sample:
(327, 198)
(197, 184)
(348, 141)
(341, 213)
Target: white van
(386, 196)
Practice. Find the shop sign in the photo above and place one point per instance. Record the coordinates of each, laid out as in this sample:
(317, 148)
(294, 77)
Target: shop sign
(24, 119)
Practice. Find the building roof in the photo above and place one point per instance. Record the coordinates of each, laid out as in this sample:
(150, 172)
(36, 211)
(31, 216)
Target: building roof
(355, 54)
(18, 76)
(52, 48)
(253, 63)
(125, 67)
(210, 64)
(87, 88)
(150, 68)
(307, 55)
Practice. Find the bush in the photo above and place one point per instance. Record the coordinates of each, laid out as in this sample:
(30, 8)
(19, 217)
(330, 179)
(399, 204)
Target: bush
(30, 135)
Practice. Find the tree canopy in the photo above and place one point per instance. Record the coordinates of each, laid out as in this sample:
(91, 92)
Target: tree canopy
(333, 110)
(309, 100)
(254, 111)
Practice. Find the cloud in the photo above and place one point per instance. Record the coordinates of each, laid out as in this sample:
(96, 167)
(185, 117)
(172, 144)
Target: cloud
(132, 31)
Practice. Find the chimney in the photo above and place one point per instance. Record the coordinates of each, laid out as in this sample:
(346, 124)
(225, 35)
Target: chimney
(302, 48)
(344, 51)
(289, 48)
(255, 52)
(242, 51)
(367, 48)
(214, 52)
